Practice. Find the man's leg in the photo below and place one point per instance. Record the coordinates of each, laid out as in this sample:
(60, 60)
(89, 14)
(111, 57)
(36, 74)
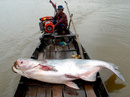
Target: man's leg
(63, 29)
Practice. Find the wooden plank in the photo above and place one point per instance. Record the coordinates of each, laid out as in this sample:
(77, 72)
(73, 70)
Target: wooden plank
(52, 55)
(69, 35)
(21, 90)
(69, 92)
(89, 90)
(81, 91)
(31, 92)
(44, 55)
(62, 55)
(59, 48)
(48, 92)
(40, 56)
(47, 54)
(56, 47)
(41, 92)
(57, 91)
(65, 47)
(52, 47)
(71, 46)
(58, 55)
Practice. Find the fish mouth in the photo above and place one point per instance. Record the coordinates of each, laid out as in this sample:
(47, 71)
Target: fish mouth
(14, 68)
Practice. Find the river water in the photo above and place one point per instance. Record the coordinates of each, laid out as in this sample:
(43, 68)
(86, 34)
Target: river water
(103, 27)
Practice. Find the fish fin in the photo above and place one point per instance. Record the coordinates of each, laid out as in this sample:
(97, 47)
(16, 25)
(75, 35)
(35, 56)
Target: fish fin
(89, 78)
(71, 76)
(90, 75)
(26, 75)
(47, 68)
(72, 85)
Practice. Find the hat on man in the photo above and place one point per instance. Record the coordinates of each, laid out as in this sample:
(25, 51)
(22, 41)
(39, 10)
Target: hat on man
(60, 7)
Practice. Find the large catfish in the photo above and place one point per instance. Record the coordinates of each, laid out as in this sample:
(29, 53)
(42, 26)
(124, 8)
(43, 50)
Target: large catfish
(62, 71)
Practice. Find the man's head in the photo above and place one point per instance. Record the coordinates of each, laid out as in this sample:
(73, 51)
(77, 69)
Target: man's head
(60, 8)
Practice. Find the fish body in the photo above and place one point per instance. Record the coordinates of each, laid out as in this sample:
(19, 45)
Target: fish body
(63, 71)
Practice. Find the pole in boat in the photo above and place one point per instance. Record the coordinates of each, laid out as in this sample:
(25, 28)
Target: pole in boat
(80, 48)
(70, 21)
(54, 5)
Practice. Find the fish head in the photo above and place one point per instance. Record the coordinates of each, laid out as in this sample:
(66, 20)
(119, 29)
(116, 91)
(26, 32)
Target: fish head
(23, 64)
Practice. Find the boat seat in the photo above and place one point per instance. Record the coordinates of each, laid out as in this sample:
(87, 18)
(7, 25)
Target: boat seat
(60, 36)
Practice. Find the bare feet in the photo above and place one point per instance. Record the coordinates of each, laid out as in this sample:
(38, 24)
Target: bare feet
(63, 32)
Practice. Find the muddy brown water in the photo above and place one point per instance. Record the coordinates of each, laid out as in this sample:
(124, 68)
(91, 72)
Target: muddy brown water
(103, 27)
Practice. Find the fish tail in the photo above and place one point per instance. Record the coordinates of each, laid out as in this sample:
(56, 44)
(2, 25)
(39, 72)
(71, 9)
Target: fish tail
(119, 75)
(114, 66)
(114, 69)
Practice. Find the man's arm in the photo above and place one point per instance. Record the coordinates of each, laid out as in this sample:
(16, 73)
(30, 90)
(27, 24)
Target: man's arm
(61, 20)
(55, 17)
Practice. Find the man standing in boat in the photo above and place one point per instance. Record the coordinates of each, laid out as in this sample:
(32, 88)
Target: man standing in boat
(60, 20)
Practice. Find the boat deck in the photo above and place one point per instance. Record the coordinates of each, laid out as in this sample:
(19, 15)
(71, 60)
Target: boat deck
(33, 88)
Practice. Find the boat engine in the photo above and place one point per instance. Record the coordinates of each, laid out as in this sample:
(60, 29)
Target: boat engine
(46, 24)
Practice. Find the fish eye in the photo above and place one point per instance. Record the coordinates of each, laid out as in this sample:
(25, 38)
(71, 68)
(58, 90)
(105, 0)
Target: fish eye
(21, 62)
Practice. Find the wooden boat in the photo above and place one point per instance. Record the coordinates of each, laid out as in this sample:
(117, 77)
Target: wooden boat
(51, 50)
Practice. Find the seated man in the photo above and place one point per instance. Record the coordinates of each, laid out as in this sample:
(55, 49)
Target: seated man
(60, 20)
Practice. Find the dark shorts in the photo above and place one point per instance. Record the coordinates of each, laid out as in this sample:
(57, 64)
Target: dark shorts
(59, 27)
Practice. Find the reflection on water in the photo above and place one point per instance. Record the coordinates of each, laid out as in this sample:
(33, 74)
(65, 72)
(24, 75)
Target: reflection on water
(112, 85)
